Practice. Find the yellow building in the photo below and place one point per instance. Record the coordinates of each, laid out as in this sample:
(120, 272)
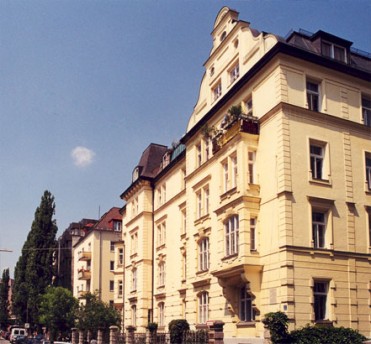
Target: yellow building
(96, 260)
(263, 209)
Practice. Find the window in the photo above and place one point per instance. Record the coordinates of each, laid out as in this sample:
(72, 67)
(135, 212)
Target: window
(320, 290)
(231, 235)
(117, 225)
(217, 91)
(161, 194)
(252, 234)
(112, 246)
(334, 51)
(366, 110)
(161, 314)
(134, 279)
(246, 309)
(161, 234)
(234, 73)
(251, 167)
(134, 315)
(248, 105)
(112, 265)
(184, 265)
(183, 221)
(134, 243)
(203, 307)
(206, 200)
(121, 286)
(111, 285)
(203, 254)
(121, 256)
(199, 204)
(161, 274)
(368, 170)
(202, 201)
(317, 153)
(234, 171)
(199, 154)
(369, 226)
(225, 175)
(313, 95)
(318, 229)
(207, 148)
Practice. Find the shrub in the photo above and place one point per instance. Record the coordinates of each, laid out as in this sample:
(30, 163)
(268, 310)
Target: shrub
(199, 337)
(177, 328)
(277, 325)
(328, 335)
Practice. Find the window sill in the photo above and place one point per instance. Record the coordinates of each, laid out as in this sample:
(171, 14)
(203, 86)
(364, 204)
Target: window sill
(235, 255)
(133, 255)
(228, 193)
(202, 272)
(160, 247)
(244, 324)
(324, 182)
(326, 323)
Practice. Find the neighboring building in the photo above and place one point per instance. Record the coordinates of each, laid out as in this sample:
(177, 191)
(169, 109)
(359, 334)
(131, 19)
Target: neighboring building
(65, 268)
(94, 258)
(265, 211)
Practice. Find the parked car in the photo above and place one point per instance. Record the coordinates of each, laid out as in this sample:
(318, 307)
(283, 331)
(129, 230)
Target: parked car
(21, 339)
(17, 331)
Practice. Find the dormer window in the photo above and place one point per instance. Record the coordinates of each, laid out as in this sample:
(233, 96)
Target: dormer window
(136, 174)
(334, 51)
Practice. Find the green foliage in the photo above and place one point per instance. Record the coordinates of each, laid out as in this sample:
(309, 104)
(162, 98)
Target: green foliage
(57, 311)
(328, 335)
(34, 270)
(177, 328)
(235, 111)
(277, 323)
(95, 314)
(4, 300)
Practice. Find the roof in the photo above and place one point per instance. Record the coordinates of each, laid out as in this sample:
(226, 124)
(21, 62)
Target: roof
(106, 221)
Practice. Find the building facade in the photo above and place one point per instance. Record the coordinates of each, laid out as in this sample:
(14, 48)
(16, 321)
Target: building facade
(94, 258)
(265, 205)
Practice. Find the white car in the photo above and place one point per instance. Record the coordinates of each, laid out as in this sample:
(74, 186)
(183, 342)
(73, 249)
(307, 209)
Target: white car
(17, 331)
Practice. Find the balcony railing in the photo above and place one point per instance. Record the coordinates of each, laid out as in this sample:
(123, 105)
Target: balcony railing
(84, 274)
(82, 293)
(84, 255)
(244, 124)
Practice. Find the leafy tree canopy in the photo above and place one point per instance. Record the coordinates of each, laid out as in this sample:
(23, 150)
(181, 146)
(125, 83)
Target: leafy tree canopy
(57, 311)
(34, 269)
(4, 300)
(94, 314)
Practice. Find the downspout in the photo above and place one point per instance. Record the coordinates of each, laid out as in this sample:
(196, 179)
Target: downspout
(153, 251)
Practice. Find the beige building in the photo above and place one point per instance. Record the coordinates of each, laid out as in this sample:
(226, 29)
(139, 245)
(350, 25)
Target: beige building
(263, 209)
(95, 259)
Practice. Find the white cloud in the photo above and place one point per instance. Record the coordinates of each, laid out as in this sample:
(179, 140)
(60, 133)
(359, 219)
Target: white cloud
(82, 156)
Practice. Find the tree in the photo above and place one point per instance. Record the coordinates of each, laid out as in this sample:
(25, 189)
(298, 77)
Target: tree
(95, 314)
(57, 311)
(34, 269)
(4, 300)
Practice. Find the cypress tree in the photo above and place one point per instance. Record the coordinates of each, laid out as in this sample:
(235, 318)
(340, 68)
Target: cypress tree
(4, 300)
(34, 269)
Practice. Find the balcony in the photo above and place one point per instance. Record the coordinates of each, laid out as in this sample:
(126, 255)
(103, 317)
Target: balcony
(84, 274)
(242, 124)
(84, 256)
(82, 293)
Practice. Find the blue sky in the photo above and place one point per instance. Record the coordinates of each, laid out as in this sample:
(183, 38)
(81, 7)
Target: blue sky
(85, 86)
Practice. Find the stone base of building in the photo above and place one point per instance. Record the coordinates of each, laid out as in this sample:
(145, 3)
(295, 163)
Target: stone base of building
(243, 340)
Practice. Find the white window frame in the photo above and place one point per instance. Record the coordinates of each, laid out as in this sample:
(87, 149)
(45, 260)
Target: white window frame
(319, 228)
(198, 154)
(217, 90)
(203, 254)
(248, 106)
(251, 166)
(161, 314)
(134, 315)
(319, 162)
(321, 300)
(368, 170)
(225, 172)
(161, 234)
(234, 73)
(231, 229)
(313, 96)
(134, 243)
(332, 51)
(134, 279)
(203, 307)
(120, 256)
(234, 163)
(161, 274)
